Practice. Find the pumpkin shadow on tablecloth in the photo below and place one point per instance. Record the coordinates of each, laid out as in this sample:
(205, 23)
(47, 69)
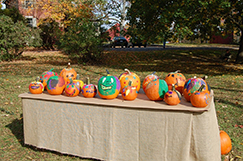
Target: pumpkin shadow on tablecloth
(18, 131)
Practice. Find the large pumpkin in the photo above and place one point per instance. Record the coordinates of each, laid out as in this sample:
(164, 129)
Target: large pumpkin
(172, 97)
(55, 85)
(156, 89)
(108, 86)
(148, 79)
(129, 76)
(46, 75)
(72, 89)
(200, 98)
(67, 73)
(176, 78)
(225, 142)
(129, 92)
(89, 90)
(36, 87)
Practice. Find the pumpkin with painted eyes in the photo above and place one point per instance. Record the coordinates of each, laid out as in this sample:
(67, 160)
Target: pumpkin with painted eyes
(46, 75)
(156, 89)
(67, 73)
(129, 92)
(55, 85)
(172, 97)
(108, 86)
(148, 79)
(129, 76)
(176, 78)
(72, 89)
(89, 90)
(36, 87)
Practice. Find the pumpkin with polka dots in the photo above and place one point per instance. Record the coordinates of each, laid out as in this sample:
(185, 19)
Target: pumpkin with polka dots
(129, 76)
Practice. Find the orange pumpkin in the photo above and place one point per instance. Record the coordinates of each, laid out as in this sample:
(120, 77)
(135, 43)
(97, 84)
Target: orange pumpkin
(200, 98)
(172, 97)
(67, 73)
(225, 141)
(89, 90)
(55, 85)
(72, 89)
(156, 89)
(176, 78)
(148, 79)
(129, 76)
(129, 92)
(36, 87)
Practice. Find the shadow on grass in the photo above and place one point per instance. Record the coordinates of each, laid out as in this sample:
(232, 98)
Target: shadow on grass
(18, 131)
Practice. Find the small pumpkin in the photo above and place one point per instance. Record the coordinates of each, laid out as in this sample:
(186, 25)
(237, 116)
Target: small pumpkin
(200, 98)
(36, 87)
(172, 97)
(67, 73)
(225, 142)
(46, 75)
(129, 92)
(176, 78)
(55, 85)
(129, 76)
(108, 86)
(72, 89)
(79, 82)
(148, 79)
(156, 89)
(89, 90)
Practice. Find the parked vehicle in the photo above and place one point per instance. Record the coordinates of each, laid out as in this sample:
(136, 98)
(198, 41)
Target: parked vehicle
(119, 41)
(135, 41)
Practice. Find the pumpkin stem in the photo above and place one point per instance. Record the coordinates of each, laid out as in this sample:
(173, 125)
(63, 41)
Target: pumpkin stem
(37, 79)
(69, 65)
(201, 87)
(154, 73)
(173, 87)
(107, 72)
(130, 83)
(51, 69)
(195, 77)
(71, 81)
(128, 71)
(87, 80)
(77, 78)
(178, 71)
(205, 77)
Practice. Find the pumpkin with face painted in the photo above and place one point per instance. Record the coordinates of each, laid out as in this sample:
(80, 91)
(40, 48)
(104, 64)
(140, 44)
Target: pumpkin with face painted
(67, 73)
(36, 87)
(55, 85)
(108, 86)
(72, 89)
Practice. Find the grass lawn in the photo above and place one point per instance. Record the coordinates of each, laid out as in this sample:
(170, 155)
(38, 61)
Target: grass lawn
(226, 79)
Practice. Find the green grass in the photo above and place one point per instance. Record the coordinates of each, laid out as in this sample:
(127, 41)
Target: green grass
(226, 79)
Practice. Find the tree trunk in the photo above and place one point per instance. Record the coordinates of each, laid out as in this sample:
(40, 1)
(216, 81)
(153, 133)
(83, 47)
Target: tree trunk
(239, 57)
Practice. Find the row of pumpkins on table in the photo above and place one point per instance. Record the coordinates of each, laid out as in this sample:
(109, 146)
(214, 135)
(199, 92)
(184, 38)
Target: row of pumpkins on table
(171, 89)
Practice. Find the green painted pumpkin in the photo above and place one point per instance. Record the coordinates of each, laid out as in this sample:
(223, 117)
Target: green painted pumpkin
(108, 86)
(156, 89)
(55, 85)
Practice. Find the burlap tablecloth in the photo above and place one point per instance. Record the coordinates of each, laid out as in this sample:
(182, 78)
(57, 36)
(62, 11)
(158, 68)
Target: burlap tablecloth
(118, 130)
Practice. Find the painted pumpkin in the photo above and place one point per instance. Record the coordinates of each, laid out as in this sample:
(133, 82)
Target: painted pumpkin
(81, 83)
(72, 89)
(225, 142)
(129, 92)
(36, 87)
(200, 98)
(89, 90)
(55, 85)
(129, 76)
(192, 85)
(67, 73)
(176, 78)
(172, 97)
(108, 86)
(148, 79)
(156, 89)
(46, 75)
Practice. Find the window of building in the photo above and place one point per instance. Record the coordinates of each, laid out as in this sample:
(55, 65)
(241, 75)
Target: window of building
(31, 21)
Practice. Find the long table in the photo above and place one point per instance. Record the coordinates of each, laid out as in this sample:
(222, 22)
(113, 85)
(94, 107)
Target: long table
(119, 130)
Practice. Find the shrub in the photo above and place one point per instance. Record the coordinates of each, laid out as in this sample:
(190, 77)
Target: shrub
(82, 42)
(15, 37)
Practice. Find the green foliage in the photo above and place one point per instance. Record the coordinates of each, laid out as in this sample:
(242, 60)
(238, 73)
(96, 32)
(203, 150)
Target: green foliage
(13, 13)
(82, 42)
(14, 37)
